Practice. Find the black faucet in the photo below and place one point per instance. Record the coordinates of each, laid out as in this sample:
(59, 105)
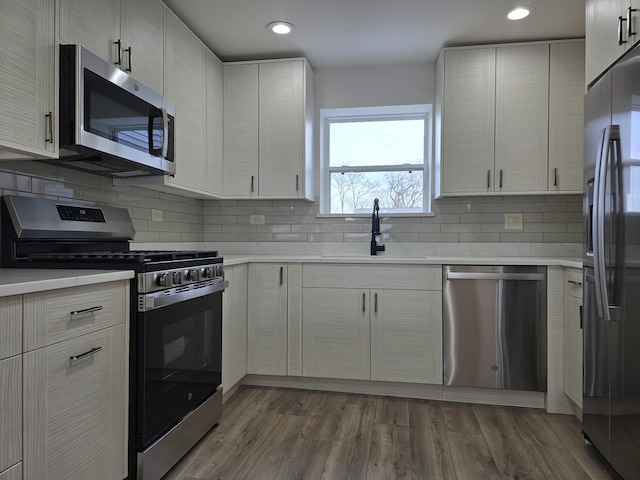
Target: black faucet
(375, 229)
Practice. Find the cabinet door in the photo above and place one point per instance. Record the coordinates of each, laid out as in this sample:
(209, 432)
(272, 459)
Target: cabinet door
(602, 35)
(94, 24)
(234, 327)
(75, 412)
(240, 142)
(214, 124)
(566, 116)
(267, 322)
(10, 412)
(14, 473)
(281, 128)
(28, 77)
(468, 121)
(142, 30)
(185, 83)
(406, 336)
(336, 333)
(522, 118)
(572, 344)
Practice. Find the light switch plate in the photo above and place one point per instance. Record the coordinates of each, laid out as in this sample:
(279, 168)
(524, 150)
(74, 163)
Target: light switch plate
(256, 219)
(513, 221)
(156, 215)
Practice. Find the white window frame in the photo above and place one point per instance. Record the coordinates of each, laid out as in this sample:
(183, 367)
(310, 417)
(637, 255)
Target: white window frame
(395, 112)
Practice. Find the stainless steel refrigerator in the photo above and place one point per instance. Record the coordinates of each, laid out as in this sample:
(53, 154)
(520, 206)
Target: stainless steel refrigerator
(611, 310)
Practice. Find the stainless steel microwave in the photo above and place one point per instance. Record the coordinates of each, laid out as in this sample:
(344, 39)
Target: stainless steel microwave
(111, 124)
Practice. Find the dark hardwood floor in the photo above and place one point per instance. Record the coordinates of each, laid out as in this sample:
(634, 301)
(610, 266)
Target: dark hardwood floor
(272, 433)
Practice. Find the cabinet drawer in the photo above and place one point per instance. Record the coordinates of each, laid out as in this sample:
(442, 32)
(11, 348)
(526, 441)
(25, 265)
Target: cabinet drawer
(14, 473)
(10, 412)
(75, 410)
(58, 315)
(403, 277)
(10, 326)
(573, 282)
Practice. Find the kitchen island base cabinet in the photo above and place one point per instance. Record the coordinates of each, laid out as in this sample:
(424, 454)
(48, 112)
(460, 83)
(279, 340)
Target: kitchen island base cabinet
(75, 409)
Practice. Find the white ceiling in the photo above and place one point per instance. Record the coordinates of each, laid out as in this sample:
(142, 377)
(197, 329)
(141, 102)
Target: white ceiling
(332, 33)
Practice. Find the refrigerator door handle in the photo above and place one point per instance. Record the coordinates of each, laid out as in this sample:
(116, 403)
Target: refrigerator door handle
(615, 308)
(598, 223)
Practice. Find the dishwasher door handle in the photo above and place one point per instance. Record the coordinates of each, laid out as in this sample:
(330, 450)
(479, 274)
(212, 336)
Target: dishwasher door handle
(495, 276)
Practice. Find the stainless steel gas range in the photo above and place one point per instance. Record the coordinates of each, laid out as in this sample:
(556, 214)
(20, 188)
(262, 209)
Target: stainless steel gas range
(175, 333)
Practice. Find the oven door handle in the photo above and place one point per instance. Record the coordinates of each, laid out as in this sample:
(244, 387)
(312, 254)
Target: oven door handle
(154, 300)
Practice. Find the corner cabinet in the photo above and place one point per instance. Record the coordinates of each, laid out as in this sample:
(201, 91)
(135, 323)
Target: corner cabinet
(355, 327)
(268, 129)
(612, 28)
(28, 111)
(498, 114)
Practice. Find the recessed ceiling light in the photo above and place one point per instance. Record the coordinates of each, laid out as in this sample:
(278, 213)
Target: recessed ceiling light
(519, 13)
(281, 28)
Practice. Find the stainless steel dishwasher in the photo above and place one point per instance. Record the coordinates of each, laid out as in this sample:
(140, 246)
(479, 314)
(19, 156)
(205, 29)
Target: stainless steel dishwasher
(495, 326)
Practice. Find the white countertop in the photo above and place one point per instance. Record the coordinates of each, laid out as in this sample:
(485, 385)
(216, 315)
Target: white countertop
(18, 281)
(386, 260)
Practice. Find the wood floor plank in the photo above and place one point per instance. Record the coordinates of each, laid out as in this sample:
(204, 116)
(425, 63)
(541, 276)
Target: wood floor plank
(567, 429)
(389, 454)
(471, 457)
(459, 418)
(429, 447)
(304, 460)
(349, 453)
(393, 411)
(557, 463)
(508, 450)
(533, 428)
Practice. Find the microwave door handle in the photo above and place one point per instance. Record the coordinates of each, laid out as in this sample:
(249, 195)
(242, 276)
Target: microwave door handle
(598, 221)
(156, 152)
(162, 151)
(165, 132)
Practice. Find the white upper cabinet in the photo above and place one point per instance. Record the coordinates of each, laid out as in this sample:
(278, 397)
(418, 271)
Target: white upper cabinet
(268, 128)
(566, 116)
(142, 34)
(128, 34)
(214, 183)
(509, 119)
(522, 106)
(613, 27)
(185, 82)
(28, 55)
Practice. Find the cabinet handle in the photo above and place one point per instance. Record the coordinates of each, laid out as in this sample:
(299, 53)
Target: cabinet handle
(580, 317)
(363, 302)
(297, 183)
(128, 50)
(119, 56)
(630, 31)
(575, 282)
(251, 183)
(75, 358)
(49, 117)
(500, 178)
(281, 275)
(86, 310)
(621, 30)
(375, 302)
(555, 177)
(488, 178)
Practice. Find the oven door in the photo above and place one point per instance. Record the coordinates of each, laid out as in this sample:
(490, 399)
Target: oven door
(179, 362)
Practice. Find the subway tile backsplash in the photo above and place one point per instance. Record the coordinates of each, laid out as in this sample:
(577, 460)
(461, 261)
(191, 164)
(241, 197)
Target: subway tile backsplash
(546, 219)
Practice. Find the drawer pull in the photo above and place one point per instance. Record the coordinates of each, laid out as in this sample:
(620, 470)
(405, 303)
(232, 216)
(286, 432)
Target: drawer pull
(75, 358)
(575, 282)
(86, 310)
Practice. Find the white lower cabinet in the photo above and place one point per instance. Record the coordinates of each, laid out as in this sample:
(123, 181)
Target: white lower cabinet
(372, 333)
(13, 473)
(234, 327)
(572, 339)
(10, 412)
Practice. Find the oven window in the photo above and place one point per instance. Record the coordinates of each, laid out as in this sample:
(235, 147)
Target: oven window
(182, 358)
(115, 114)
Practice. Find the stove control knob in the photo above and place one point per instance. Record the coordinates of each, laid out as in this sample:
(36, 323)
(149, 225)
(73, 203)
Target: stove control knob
(176, 278)
(163, 280)
(218, 270)
(193, 274)
(208, 272)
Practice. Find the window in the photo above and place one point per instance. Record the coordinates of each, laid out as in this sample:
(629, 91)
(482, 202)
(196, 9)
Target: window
(375, 152)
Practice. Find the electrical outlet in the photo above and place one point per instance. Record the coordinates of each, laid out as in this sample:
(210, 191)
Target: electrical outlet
(513, 221)
(256, 219)
(156, 215)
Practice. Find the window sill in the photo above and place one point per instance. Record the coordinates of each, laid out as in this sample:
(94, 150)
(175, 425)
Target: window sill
(368, 215)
